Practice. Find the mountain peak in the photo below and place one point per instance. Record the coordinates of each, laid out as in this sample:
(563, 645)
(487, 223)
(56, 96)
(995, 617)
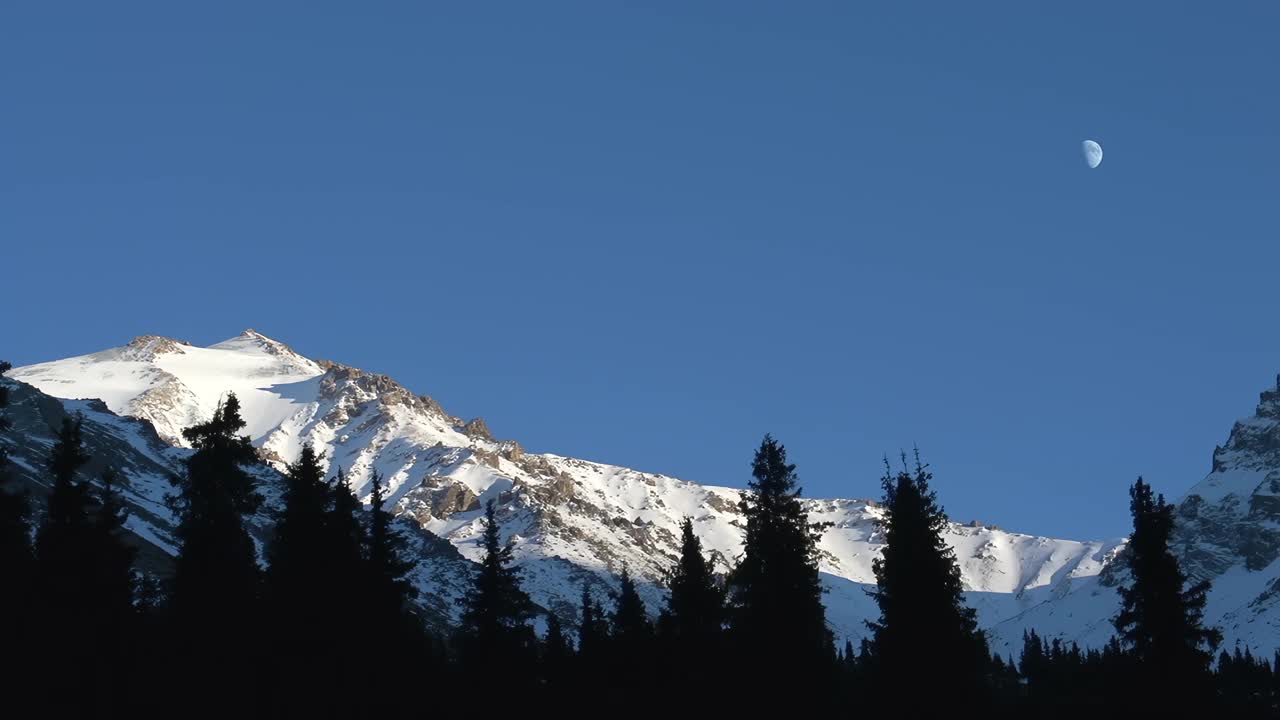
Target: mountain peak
(251, 334)
(147, 347)
(251, 339)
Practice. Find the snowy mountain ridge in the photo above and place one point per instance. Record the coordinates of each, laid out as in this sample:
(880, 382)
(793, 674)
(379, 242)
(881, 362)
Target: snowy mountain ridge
(572, 521)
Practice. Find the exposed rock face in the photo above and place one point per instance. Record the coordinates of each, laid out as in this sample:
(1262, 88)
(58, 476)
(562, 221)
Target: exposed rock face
(439, 500)
(1231, 516)
(339, 379)
(477, 429)
(1226, 531)
(511, 450)
(170, 406)
(145, 348)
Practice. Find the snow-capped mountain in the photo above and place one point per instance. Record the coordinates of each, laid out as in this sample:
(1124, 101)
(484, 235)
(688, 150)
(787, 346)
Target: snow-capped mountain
(146, 464)
(1227, 531)
(574, 521)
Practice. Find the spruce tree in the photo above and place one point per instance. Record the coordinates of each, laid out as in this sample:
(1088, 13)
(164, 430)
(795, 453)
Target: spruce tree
(343, 551)
(495, 627)
(387, 565)
(65, 532)
(393, 630)
(299, 588)
(1161, 619)
(352, 631)
(1244, 685)
(216, 586)
(556, 657)
(298, 567)
(1033, 658)
(692, 624)
(343, 534)
(695, 606)
(775, 606)
(82, 582)
(922, 608)
(17, 564)
(633, 640)
(114, 557)
(630, 619)
(343, 548)
(113, 592)
(1275, 678)
(593, 630)
(16, 555)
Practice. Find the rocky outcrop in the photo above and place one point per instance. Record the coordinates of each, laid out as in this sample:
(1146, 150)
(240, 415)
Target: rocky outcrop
(476, 429)
(1231, 517)
(146, 348)
(439, 498)
(169, 405)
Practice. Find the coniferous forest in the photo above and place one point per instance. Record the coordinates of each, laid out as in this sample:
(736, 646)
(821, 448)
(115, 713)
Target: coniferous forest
(321, 620)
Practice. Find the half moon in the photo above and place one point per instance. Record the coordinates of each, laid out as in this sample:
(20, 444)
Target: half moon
(1092, 153)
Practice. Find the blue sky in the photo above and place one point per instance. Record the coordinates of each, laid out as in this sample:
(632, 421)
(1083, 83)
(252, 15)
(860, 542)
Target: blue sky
(649, 234)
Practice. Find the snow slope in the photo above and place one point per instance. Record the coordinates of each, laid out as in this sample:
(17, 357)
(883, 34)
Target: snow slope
(175, 385)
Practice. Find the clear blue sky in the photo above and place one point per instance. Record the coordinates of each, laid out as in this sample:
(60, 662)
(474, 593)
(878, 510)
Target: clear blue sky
(647, 235)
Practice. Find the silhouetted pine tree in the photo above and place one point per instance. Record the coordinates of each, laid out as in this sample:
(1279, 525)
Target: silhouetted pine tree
(1160, 619)
(114, 589)
(343, 551)
(1033, 665)
(593, 634)
(1005, 680)
(557, 656)
(1275, 679)
(1244, 685)
(217, 582)
(922, 610)
(387, 562)
(16, 557)
(65, 532)
(350, 631)
(343, 534)
(299, 586)
(495, 630)
(65, 529)
(84, 584)
(1061, 680)
(692, 625)
(775, 608)
(114, 557)
(297, 568)
(15, 540)
(17, 564)
(393, 630)
(632, 647)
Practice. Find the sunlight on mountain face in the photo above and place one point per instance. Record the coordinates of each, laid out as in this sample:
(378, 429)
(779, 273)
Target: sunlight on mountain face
(571, 519)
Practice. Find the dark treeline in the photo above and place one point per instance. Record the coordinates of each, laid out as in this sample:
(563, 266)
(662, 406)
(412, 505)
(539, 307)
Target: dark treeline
(322, 622)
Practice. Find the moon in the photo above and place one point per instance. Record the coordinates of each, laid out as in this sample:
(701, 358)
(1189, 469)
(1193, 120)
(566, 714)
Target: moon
(1092, 153)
